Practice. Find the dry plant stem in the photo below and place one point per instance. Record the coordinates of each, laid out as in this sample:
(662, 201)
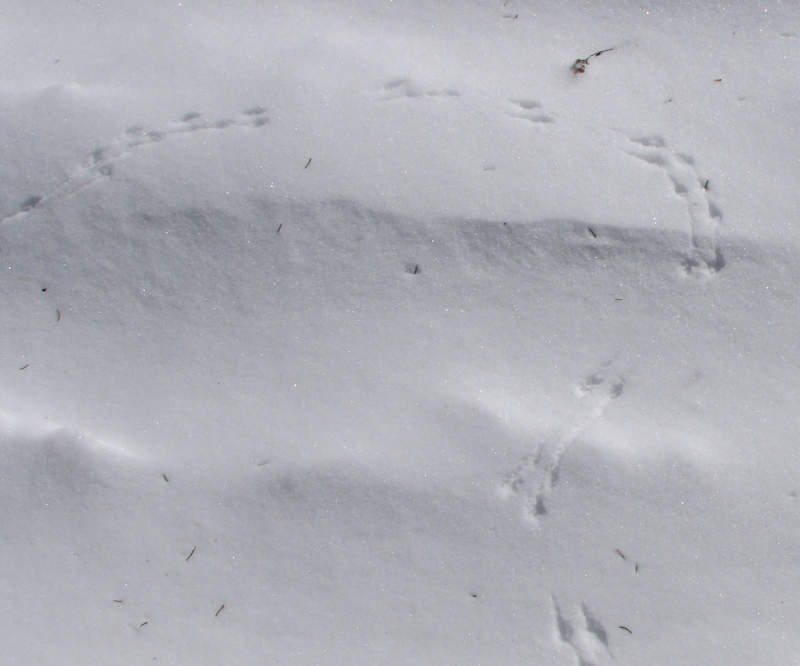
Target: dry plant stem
(580, 65)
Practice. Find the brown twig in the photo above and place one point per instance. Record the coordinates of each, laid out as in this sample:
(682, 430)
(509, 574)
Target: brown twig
(580, 65)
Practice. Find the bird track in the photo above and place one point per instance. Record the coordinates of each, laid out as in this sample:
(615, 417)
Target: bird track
(584, 634)
(99, 163)
(704, 256)
(536, 475)
(704, 215)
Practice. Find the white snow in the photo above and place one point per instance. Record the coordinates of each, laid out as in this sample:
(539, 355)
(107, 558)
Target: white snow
(367, 332)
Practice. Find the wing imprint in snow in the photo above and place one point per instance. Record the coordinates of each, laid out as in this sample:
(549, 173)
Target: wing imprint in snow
(530, 110)
(402, 88)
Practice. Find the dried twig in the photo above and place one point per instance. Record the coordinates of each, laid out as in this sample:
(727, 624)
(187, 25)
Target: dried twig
(621, 554)
(219, 610)
(189, 556)
(308, 164)
(624, 628)
(592, 231)
(27, 365)
(580, 65)
(164, 476)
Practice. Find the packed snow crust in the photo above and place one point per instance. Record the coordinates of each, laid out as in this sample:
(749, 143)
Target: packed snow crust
(366, 332)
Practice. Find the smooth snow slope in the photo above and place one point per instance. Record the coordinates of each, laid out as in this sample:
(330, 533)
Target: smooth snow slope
(365, 332)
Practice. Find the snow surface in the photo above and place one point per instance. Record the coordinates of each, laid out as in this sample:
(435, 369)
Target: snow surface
(366, 332)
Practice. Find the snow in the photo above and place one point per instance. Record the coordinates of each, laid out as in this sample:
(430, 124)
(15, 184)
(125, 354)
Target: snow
(367, 332)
